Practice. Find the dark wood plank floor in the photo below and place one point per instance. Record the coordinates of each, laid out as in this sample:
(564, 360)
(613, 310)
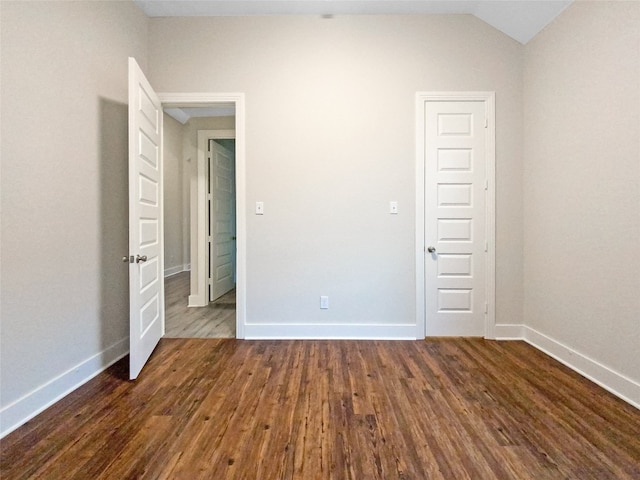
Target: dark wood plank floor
(435, 409)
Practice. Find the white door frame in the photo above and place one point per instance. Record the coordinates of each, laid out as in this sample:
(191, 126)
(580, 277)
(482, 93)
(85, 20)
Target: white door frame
(489, 99)
(203, 206)
(206, 99)
(199, 256)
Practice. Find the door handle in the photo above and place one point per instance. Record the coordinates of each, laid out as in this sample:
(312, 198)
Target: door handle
(431, 249)
(141, 258)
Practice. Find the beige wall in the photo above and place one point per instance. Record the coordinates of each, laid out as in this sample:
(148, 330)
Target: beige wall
(64, 193)
(330, 141)
(582, 183)
(173, 167)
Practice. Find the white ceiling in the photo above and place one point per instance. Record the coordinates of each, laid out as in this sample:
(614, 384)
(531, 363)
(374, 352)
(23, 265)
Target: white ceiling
(520, 19)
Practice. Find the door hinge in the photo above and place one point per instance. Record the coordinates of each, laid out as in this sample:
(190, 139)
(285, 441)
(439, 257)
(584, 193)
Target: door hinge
(209, 196)
(486, 122)
(486, 307)
(486, 184)
(209, 239)
(486, 246)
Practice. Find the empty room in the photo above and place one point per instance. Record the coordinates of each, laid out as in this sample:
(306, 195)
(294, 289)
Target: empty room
(434, 244)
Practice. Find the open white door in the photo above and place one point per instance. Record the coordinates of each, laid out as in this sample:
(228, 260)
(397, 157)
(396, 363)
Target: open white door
(222, 208)
(146, 262)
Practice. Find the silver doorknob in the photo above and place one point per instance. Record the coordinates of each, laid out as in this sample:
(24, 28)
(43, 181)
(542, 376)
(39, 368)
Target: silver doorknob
(431, 249)
(141, 258)
(128, 259)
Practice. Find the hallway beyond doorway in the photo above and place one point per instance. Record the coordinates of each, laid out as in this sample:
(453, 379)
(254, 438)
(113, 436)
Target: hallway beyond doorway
(217, 320)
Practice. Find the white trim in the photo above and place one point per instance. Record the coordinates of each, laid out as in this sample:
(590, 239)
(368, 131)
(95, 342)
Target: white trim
(612, 381)
(198, 231)
(509, 332)
(323, 331)
(238, 99)
(168, 272)
(198, 99)
(28, 406)
(490, 221)
(489, 99)
(420, 232)
(186, 267)
(196, 301)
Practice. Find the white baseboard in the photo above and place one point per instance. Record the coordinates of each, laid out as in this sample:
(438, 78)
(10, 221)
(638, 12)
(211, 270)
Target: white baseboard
(323, 331)
(173, 270)
(508, 332)
(24, 409)
(612, 381)
(197, 301)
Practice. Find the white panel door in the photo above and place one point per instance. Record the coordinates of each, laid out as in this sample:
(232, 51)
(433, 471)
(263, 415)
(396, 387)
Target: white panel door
(455, 218)
(221, 220)
(146, 283)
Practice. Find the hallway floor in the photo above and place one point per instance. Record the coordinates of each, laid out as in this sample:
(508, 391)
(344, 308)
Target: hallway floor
(217, 320)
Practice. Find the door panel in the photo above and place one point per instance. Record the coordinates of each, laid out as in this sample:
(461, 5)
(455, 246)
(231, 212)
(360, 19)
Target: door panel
(455, 217)
(146, 284)
(222, 220)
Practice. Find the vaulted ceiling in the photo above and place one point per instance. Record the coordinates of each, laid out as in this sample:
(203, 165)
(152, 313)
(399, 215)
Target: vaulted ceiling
(519, 19)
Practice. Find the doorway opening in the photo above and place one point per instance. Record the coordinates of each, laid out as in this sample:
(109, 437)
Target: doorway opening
(205, 291)
(190, 314)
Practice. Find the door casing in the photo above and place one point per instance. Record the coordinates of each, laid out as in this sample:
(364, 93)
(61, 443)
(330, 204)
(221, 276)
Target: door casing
(238, 100)
(199, 255)
(421, 100)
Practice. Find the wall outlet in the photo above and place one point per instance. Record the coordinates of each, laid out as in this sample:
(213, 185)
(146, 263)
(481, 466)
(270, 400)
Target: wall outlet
(324, 302)
(393, 208)
(259, 208)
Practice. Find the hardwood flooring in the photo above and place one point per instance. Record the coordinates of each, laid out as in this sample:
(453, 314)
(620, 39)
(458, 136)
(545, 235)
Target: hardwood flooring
(217, 320)
(232, 409)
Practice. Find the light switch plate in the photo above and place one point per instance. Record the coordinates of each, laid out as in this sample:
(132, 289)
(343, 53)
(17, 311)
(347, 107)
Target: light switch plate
(259, 208)
(324, 302)
(393, 208)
